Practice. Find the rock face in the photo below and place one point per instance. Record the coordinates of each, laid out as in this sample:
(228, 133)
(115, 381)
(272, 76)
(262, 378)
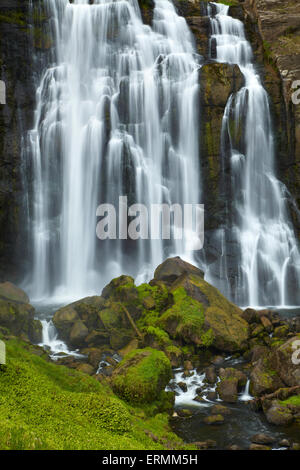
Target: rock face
(17, 40)
(142, 376)
(17, 315)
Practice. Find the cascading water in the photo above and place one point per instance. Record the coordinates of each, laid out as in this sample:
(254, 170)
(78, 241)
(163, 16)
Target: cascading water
(116, 115)
(259, 225)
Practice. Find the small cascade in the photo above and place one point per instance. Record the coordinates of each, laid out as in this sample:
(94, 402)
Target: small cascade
(56, 347)
(245, 396)
(258, 234)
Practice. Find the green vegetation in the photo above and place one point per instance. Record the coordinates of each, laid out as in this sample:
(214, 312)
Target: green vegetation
(46, 406)
(294, 400)
(142, 376)
(186, 319)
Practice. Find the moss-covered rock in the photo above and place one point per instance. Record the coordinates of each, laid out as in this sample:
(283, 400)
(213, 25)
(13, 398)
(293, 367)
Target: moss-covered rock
(17, 316)
(201, 315)
(11, 292)
(142, 376)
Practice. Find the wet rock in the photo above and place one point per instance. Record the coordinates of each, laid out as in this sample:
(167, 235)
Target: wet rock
(250, 315)
(263, 378)
(284, 443)
(259, 447)
(227, 390)
(184, 413)
(182, 386)
(267, 324)
(211, 395)
(210, 375)
(220, 409)
(214, 419)
(281, 331)
(263, 439)
(202, 445)
(231, 373)
(278, 414)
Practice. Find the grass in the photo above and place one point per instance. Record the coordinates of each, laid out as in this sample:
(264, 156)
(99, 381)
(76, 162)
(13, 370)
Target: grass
(46, 406)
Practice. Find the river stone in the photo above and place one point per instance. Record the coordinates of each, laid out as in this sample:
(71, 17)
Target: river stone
(220, 409)
(259, 447)
(263, 439)
(228, 389)
(214, 419)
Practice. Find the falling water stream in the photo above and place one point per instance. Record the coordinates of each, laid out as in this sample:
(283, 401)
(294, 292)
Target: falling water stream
(269, 260)
(116, 116)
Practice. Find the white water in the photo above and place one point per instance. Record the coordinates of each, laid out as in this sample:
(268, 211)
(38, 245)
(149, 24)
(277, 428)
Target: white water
(116, 115)
(50, 341)
(269, 272)
(194, 382)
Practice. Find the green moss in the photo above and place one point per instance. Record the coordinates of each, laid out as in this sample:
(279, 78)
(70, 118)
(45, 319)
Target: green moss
(142, 375)
(294, 400)
(186, 318)
(14, 17)
(46, 406)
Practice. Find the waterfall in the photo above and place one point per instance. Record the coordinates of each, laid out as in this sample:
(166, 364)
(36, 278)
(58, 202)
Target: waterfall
(259, 224)
(116, 115)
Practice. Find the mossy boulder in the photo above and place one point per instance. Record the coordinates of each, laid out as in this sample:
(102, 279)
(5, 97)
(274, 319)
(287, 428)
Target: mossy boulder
(283, 361)
(263, 378)
(17, 315)
(142, 376)
(11, 292)
(200, 314)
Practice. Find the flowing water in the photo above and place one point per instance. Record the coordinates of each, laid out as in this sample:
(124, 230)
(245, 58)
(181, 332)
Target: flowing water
(116, 116)
(258, 222)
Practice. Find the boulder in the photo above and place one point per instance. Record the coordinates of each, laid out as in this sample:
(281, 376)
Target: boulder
(282, 362)
(231, 373)
(11, 292)
(201, 315)
(18, 318)
(78, 334)
(220, 410)
(173, 268)
(142, 376)
(227, 389)
(278, 414)
(263, 378)
(214, 419)
(263, 439)
(259, 447)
